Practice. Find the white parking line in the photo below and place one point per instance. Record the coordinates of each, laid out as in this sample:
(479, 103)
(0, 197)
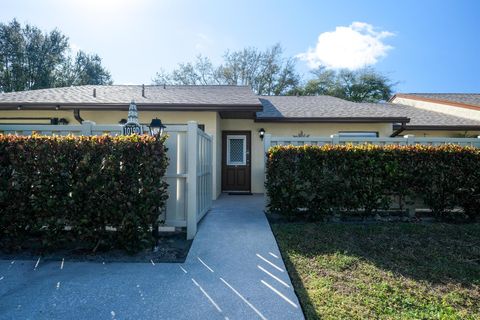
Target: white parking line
(204, 264)
(244, 300)
(185, 271)
(273, 255)
(61, 265)
(36, 265)
(270, 263)
(274, 276)
(206, 295)
(280, 294)
(152, 262)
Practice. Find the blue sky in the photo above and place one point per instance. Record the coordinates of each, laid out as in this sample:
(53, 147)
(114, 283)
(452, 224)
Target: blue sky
(427, 46)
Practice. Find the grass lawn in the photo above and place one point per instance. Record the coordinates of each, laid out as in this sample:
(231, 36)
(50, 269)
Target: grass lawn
(387, 271)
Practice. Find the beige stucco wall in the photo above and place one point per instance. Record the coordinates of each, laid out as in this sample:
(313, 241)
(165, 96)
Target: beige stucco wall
(446, 109)
(38, 114)
(218, 156)
(290, 129)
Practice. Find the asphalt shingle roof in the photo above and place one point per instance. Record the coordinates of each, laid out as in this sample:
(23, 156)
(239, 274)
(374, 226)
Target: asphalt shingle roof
(472, 99)
(292, 107)
(124, 94)
(322, 107)
(331, 107)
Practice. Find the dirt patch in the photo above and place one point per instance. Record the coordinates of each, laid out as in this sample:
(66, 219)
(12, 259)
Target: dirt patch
(172, 247)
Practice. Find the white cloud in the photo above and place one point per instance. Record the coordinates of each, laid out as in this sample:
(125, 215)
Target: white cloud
(352, 47)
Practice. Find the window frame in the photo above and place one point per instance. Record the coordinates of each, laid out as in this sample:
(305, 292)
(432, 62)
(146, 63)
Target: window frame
(358, 134)
(241, 137)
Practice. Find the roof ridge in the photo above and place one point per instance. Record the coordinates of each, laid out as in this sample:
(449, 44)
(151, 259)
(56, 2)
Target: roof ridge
(325, 96)
(54, 88)
(134, 85)
(440, 93)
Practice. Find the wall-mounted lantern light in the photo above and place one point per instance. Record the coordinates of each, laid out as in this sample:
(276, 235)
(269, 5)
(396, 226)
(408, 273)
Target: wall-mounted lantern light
(261, 132)
(156, 127)
(63, 121)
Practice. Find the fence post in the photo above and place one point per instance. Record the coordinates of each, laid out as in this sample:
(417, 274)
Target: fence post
(335, 139)
(213, 193)
(410, 139)
(411, 209)
(87, 127)
(192, 156)
(267, 142)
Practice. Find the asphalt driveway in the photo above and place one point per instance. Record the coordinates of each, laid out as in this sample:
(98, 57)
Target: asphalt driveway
(233, 271)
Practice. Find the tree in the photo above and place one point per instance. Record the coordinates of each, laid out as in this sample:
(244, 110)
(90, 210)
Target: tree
(266, 72)
(32, 59)
(365, 85)
(199, 72)
(83, 69)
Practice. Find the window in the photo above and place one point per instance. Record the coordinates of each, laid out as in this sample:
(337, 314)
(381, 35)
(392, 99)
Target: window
(358, 134)
(236, 150)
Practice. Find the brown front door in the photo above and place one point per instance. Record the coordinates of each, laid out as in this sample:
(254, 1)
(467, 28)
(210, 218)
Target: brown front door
(236, 167)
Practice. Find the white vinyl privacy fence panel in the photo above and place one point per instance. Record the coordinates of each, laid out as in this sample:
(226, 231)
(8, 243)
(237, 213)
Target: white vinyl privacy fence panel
(87, 128)
(270, 141)
(189, 176)
(204, 173)
(189, 173)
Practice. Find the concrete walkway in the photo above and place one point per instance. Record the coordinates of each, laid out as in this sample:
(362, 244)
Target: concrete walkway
(233, 271)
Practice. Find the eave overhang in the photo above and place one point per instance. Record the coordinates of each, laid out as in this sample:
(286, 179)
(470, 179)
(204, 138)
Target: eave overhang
(439, 127)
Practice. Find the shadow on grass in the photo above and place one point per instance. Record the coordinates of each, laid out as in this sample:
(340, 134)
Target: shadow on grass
(437, 252)
(306, 303)
(441, 256)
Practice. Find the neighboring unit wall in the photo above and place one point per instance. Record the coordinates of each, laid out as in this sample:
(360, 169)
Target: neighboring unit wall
(290, 129)
(439, 134)
(439, 107)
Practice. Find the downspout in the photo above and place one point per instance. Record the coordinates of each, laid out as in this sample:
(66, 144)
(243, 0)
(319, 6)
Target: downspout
(399, 130)
(76, 114)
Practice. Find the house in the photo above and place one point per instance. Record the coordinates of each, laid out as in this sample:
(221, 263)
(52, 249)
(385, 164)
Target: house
(234, 116)
(463, 105)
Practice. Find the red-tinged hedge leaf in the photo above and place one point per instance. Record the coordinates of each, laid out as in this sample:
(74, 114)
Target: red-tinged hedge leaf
(313, 181)
(85, 183)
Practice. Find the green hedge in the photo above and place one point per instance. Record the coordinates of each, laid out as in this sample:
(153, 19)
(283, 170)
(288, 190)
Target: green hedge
(85, 184)
(313, 181)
